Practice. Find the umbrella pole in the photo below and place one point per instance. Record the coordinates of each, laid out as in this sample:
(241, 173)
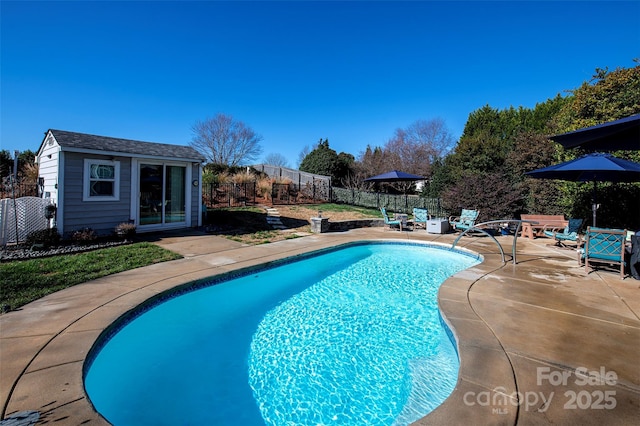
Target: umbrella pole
(594, 206)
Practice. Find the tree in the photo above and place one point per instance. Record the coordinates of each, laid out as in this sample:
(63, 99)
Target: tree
(486, 169)
(321, 160)
(222, 140)
(325, 161)
(6, 163)
(372, 161)
(491, 193)
(26, 164)
(415, 148)
(608, 96)
(344, 168)
(303, 153)
(275, 159)
(533, 151)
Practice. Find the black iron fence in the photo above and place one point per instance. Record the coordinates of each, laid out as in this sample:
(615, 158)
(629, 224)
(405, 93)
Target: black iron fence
(230, 194)
(311, 192)
(399, 203)
(218, 195)
(18, 190)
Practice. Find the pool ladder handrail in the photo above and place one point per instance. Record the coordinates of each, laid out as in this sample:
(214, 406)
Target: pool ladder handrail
(515, 236)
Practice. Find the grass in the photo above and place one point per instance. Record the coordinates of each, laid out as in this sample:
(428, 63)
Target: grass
(24, 281)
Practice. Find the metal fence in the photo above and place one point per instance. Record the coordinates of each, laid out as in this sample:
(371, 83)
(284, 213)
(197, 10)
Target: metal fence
(230, 194)
(17, 190)
(399, 203)
(311, 192)
(218, 195)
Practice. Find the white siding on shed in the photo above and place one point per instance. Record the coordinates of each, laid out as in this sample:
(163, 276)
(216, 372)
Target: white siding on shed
(48, 159)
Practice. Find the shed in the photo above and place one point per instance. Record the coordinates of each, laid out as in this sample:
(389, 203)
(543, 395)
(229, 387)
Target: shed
(98, 182)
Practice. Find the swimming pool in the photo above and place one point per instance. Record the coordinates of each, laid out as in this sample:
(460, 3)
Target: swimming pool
(348, 336)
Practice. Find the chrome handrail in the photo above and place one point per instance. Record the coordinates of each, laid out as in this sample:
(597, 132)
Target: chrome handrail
(515, 237)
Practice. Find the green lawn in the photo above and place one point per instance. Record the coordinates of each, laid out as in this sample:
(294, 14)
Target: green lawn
(26, 280)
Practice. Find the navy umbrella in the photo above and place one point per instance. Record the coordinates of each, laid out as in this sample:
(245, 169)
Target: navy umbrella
(591, 167)
(395, 176)
(623, 134)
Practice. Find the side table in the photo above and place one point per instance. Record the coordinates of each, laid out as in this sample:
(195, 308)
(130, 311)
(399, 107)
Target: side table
(437, 226)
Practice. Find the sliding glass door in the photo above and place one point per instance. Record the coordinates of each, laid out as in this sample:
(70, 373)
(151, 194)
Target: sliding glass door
(162, 194)
(175, 194)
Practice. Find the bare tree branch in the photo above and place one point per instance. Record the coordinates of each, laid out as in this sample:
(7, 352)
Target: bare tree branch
(225, 141)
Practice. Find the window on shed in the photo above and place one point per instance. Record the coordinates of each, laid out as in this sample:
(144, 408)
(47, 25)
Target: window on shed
(101, 180)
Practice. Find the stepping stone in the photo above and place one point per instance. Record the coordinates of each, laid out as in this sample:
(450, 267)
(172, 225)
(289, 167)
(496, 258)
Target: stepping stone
(273, 219)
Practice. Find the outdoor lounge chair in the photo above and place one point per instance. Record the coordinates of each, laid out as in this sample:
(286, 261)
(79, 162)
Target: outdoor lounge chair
(604, 246)
(389, 222)
(570, 233)
(466, 220)
(420, 216)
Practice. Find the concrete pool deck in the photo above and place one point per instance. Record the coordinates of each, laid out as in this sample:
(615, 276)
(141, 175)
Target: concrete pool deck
(522, 331)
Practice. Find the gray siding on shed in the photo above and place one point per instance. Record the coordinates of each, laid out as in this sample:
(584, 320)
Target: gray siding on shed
(101, 216)
(196, 197)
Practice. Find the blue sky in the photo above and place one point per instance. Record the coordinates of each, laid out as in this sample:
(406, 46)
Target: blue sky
(294, 71)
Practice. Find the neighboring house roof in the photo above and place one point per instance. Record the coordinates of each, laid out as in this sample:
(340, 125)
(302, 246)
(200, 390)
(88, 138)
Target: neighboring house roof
(82, 142)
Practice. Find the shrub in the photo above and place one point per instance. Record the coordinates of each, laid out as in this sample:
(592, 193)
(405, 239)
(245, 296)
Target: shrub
(126, 230)
(222, 177)
(44, 237)
(84, 236)
(243, 177)
(264, 187)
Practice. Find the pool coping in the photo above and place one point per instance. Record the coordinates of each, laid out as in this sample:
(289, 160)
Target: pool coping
(43, 346)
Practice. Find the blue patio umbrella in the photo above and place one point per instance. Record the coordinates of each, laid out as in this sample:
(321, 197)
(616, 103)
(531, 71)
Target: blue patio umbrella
(395, 176)
(591, 167)
(622, 134)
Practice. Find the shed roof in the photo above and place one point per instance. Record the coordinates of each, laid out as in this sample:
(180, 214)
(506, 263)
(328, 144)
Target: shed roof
(74, 141)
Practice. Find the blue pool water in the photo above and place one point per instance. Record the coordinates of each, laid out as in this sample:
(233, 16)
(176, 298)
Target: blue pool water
(351, 336)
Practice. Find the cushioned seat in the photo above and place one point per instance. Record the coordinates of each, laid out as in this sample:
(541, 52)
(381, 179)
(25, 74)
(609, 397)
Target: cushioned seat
(466, 220)
(390, 223)
(420, 217)
(570, 233)
(604, 245)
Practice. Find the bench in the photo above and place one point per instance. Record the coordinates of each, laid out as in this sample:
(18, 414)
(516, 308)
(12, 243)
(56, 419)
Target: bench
(545, 222)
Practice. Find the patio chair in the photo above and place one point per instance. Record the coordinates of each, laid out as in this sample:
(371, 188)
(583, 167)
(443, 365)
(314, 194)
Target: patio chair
(466, 220)
(420, 217)
(569, 233)
(389, 222)
(604, 246)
